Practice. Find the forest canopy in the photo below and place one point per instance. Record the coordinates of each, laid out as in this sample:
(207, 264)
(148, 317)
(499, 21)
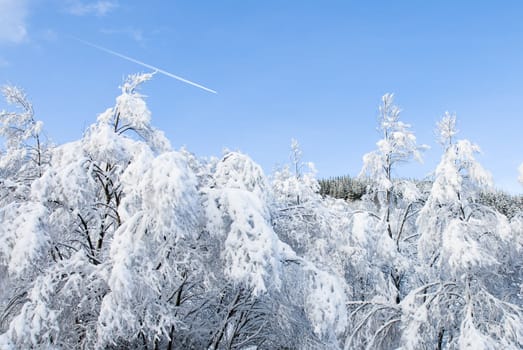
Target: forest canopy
(118, 241)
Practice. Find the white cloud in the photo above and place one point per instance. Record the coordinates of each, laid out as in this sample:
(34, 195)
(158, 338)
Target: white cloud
(13, 27)
(97, 8)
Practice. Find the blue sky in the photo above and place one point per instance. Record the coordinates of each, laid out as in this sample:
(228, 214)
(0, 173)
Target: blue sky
(309, 70)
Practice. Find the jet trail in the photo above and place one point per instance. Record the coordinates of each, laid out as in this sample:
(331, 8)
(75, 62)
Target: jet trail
(143, 64)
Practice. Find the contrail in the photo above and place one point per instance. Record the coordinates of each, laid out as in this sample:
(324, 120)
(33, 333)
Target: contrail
(143, 64)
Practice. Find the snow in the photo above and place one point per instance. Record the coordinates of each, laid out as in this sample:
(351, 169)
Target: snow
(471, 338)
(251, 248)
(326, 303)
(461, 250)
(117, 240)
(30, 236)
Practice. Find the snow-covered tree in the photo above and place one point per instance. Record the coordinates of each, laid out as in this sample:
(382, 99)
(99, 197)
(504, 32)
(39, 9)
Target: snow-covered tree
(23, 236)
(446, 129)
(297, 202)
(398, 145)
(154, 253)
(382, 265)
(22, 160)
(457, 180)
(239, 207)
(463, 248)
(68, 227)
(24, 154)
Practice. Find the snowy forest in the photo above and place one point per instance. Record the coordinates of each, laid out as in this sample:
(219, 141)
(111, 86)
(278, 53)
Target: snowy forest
(119, 241)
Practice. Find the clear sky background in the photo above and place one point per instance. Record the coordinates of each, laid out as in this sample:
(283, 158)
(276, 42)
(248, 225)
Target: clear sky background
(310, 70)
